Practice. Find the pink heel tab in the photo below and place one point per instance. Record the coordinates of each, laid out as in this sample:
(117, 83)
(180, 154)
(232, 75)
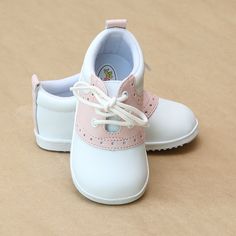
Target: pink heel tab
(35, 86)
(35, 81)
(116, 23)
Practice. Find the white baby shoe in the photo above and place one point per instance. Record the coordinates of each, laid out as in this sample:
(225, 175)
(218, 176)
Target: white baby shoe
(108, 158)
(171, 124)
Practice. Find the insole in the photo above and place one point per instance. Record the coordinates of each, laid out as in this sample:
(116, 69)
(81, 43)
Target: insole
(112, 67)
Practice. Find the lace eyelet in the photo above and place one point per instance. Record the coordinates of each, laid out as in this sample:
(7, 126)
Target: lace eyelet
(130, 126)
(125, 93)
(93, 123)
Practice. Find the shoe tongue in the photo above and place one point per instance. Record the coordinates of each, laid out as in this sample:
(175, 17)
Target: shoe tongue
(113, 87)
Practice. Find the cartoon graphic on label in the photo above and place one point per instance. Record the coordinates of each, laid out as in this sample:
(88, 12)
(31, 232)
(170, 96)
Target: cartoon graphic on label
(107, 73)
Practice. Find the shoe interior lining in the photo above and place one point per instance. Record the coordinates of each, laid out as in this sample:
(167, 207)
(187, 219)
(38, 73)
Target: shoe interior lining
(60, 87)
(114, 60)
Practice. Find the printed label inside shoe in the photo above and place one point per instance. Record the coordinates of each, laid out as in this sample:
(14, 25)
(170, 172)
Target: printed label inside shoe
(106, 72)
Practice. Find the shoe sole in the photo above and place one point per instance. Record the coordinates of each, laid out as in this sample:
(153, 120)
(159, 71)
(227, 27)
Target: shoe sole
(63, 145)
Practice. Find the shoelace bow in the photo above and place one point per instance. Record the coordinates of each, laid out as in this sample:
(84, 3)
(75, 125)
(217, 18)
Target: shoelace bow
(110, 107)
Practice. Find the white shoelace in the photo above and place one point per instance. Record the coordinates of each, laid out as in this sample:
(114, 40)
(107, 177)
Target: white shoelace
(110, 107)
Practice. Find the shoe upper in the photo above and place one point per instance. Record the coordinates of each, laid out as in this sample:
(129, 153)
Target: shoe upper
(54, 115)
(171, 121)
(54, 104)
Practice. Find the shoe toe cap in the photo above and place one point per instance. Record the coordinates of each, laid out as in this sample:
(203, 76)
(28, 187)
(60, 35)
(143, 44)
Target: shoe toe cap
(110, 177)
(170, 121)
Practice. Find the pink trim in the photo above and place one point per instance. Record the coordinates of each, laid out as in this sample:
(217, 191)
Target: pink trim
(35, 81)
(99, 136)
(150, 103)
(35, 85)
(119, 23)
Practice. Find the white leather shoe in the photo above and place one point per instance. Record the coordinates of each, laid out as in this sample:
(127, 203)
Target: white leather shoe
(171, 124)
(108, 158)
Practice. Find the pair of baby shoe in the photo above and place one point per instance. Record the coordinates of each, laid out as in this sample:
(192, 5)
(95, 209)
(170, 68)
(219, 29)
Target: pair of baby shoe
(107, 121)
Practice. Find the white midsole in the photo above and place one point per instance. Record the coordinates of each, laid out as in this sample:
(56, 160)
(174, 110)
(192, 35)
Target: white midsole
(59, 145)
